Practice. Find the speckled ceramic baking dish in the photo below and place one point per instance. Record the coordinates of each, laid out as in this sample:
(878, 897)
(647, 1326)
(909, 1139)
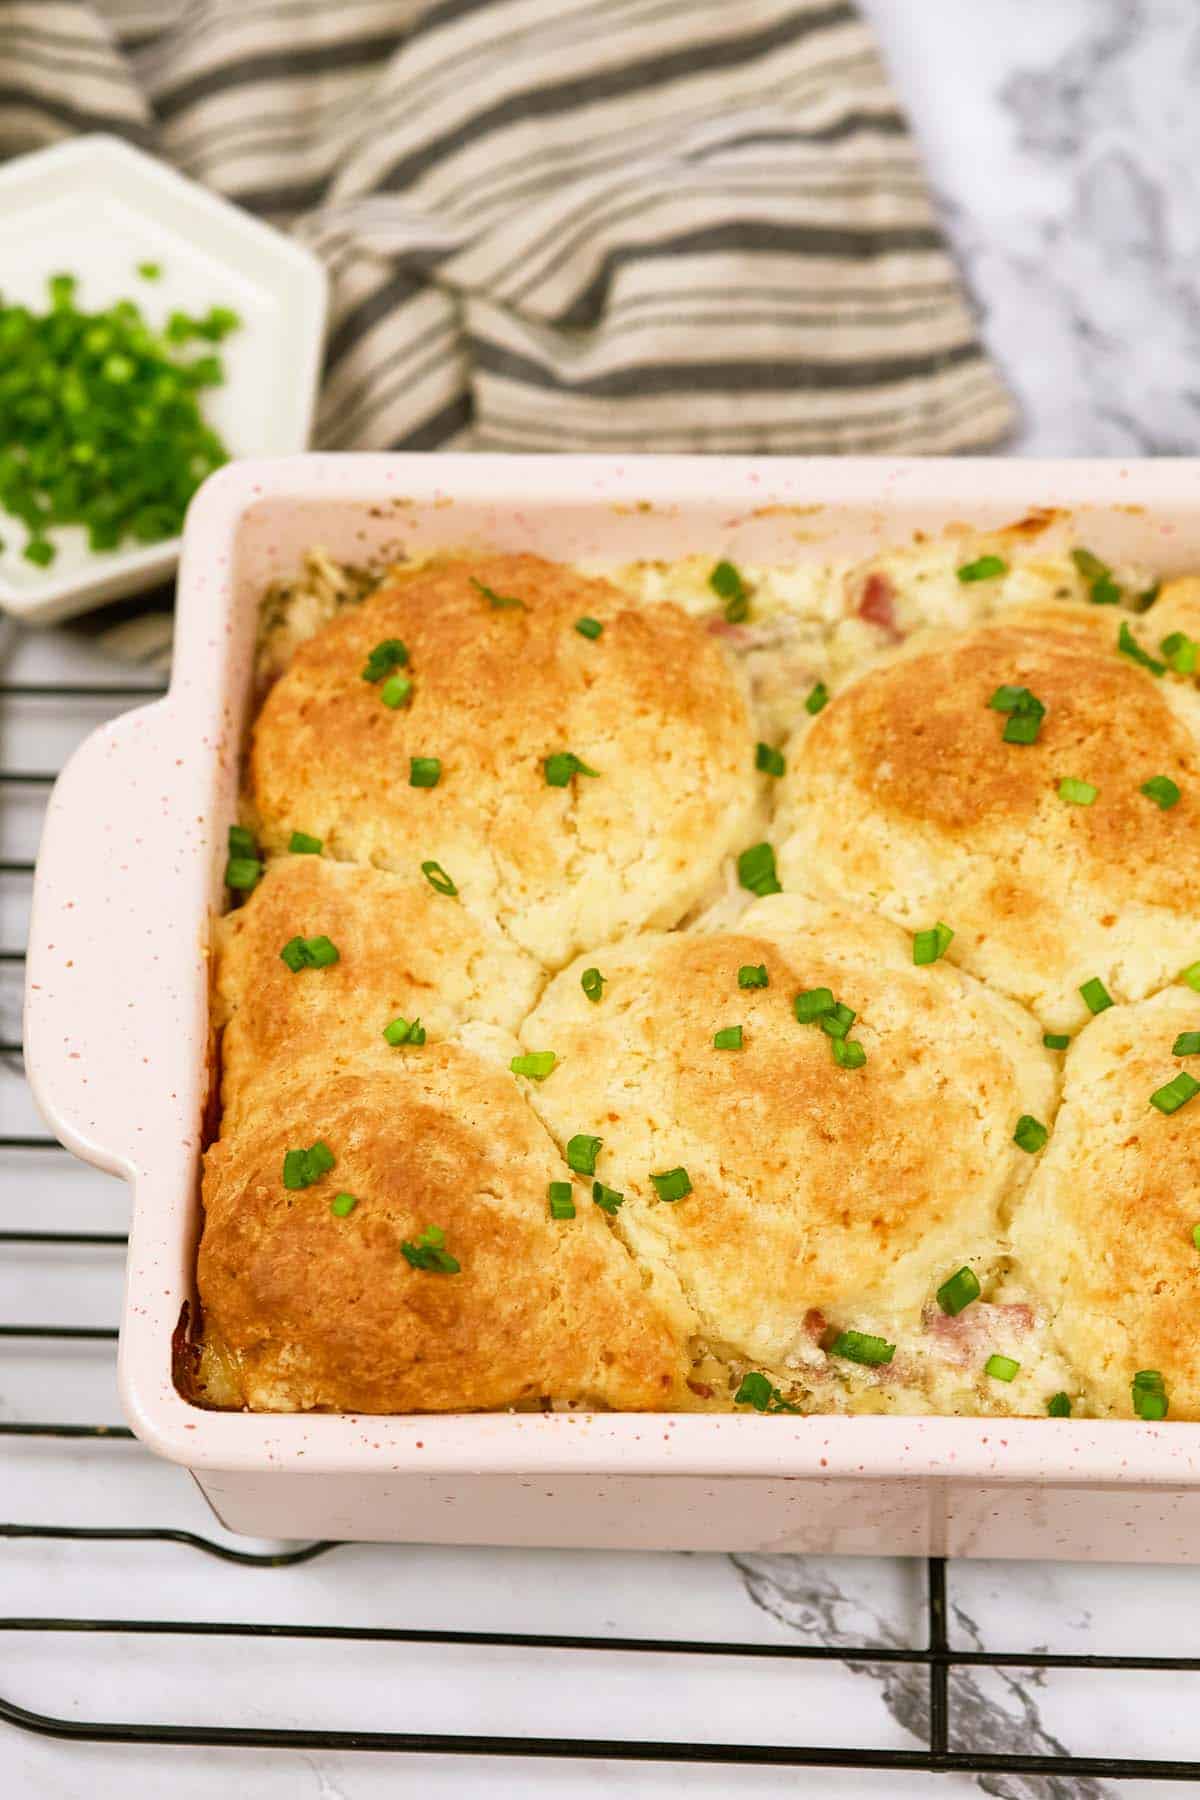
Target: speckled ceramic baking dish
(116, 1037)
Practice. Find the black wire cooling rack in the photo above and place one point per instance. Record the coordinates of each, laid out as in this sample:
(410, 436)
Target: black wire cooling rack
(936, 1657)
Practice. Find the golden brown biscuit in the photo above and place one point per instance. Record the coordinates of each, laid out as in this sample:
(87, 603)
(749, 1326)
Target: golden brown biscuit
(903, 796)
(403, 952)
(319, 1311)
(1105, 1227)
(651, 705)
(821, 1196)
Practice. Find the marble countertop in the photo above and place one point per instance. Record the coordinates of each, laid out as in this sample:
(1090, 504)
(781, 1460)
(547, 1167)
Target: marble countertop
(1061, 142)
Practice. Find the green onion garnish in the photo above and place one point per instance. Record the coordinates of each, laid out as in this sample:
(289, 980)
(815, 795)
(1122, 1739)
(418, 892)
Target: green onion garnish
(1149, 1395)
(1186, 1044)
(592, 982)
(1059, 1406)
(1055, 1040)
(342, 1205)
(768, 761)
(756, 1391)
(302, 1167)
(1105, 592)
(562, 1200)
(424, 771)
(243, 872)
(673, 1184)
(818, 699)
(1025, 711)
(429, 1253)
(752, 975)
(309, 953)
(848, 1053)
(1192, 976)
(1129, 646)
(728, 1038)
(300, 844)
(838, 1020)
(1196, 1236)
(984, 568)
(1089, 566)
(861, 1347)
(1162, 790)
(1176, 1093)
(929, 945)
(404, 1031)
(812, 1004)
(497, 601)
(536, 1064)
(386, 656)
(726, 582)
(149, 271)
(562, 765)
(756, 870)
(1030, 1134)
(396, 691)
(582, 1152)
(1181, 652)
(241, 842)
(1076, 793)
(959, 1292)
(589, 628)
(1096, 996)
(1001, 1368)
(437, 878)
(606, 1198)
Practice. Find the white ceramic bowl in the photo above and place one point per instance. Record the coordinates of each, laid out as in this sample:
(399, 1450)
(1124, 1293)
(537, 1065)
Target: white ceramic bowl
(96, 207)
(115, 1034)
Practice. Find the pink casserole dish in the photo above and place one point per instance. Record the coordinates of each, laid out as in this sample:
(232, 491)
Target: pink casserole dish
(116, 1035)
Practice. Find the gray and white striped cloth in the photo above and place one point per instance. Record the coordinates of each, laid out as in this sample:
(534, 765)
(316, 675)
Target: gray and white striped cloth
(557, 224)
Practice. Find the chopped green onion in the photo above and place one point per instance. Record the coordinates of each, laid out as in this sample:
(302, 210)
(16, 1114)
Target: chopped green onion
(769, 761)
(818, 699)
(1008, 699)
(1075, 792)
(606, 1198)
(756, 870)
(437, 878)
(1096, 996)
(1030, 1134)
(396, 691)
(562, 765)
(752, 975)
(592, 983)
(241, 842)
(837, 1021)
(243, 872)
(295, 955)
(1105, 592)
(562, 1200)
(582, 1152)
(812, 1004)
(673, 1184)
(1162, 790)
(1192, 976)
(848, 1053)
(42, 552)
(756, 1391)
(1196, 1236)
(728, 1038)
(301, 1168)
(1022, 728)
(1059, 1406)
(929, 945)
(149, 271)
(404, 1031)
(1001, 1368)
(536, 1064)
(861, 1347)
(495, 600)
(386, 656)
(342, 1205)
(429, 1253)
(424, 771)
(1181, 652)
(1025, 711)
(589, 628)
(300, 844)
(1174, 1094)
(984, 568)
(1055, 1040)
(1186, 1044)
(1089, 566)
(1149, 1395)
(1129, 646)
(726, 582)
(309, 953)
(959, 1292)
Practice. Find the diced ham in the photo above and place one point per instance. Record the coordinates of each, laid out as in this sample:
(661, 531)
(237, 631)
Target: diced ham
(877, 604)
(983, 1326)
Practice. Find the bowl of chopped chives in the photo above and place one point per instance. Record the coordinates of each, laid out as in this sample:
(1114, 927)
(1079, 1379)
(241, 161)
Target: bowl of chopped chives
(150, 332)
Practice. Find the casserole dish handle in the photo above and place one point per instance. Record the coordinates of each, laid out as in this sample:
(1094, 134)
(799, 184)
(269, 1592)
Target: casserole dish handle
(119, 872)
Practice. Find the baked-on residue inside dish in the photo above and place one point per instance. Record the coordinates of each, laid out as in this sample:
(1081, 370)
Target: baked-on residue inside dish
(714, 987)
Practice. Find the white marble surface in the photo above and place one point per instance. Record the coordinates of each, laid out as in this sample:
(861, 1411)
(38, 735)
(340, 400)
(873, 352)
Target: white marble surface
(1062, 139)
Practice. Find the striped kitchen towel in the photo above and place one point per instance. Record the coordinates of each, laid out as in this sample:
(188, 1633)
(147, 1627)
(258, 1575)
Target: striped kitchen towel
(557, 224)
